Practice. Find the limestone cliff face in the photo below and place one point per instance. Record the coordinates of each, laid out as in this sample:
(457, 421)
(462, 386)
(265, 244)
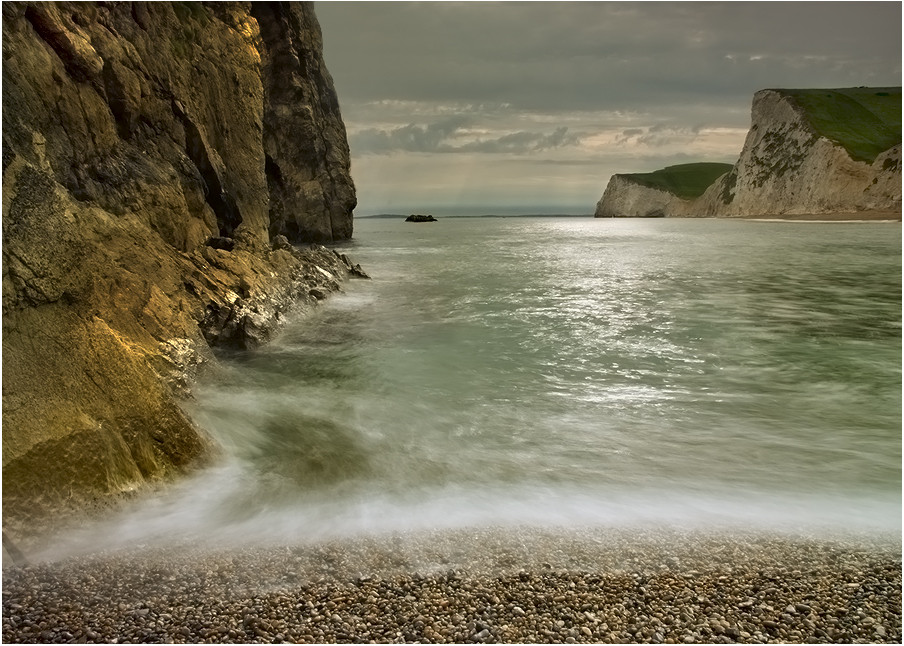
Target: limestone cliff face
(152, 153)
(786, 168)
(625, 198)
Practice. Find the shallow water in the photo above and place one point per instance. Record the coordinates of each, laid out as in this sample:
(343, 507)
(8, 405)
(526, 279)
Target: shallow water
(565, 372)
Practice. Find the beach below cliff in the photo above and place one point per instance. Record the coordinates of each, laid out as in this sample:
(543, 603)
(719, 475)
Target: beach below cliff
(859, 216)
(478, 585)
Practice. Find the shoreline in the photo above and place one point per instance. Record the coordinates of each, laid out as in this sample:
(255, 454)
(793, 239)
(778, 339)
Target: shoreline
(853, 216)
(860, 216)
(473, 585)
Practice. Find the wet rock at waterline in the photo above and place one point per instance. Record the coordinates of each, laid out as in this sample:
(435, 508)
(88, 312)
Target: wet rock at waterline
(420, 218)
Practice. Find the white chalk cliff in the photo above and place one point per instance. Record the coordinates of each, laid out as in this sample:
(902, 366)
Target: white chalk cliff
(625, 197)
(786, 167)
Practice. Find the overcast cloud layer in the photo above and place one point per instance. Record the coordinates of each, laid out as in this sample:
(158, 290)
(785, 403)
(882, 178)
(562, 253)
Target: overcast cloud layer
(483, 107)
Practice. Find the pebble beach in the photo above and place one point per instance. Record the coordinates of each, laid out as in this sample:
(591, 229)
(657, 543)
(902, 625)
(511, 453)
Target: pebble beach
(468, 586)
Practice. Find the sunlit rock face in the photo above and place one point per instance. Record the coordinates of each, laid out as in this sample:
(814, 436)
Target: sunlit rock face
(151, 151)
(785, 167)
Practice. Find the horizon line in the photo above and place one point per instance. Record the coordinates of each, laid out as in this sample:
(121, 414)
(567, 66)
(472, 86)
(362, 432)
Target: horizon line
(482, 215)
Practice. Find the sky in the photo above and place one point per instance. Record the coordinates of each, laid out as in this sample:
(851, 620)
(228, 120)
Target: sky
(530, 107)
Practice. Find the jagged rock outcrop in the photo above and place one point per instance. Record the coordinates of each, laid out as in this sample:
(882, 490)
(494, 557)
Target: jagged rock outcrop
(151, 152)
(788, 165)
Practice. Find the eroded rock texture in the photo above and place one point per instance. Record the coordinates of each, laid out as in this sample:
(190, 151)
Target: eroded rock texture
(308, 174)
(137, 138)
(785, 167)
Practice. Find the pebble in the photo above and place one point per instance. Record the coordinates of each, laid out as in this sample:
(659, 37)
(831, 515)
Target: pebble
(502, 585)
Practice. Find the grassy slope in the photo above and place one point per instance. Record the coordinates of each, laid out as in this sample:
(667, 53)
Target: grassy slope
(687, 181)
(866, 121)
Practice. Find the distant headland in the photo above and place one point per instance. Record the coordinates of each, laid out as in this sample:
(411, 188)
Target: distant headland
(813, 152)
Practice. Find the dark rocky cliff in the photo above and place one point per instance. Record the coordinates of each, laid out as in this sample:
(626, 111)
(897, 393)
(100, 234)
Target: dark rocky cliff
(156, 156)
(311, 192)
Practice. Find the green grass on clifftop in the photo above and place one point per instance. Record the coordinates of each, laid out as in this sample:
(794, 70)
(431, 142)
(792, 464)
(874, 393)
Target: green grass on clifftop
(687, 181)
(866, 121)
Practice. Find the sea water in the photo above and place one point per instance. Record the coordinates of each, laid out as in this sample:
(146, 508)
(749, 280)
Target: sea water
(567, 372)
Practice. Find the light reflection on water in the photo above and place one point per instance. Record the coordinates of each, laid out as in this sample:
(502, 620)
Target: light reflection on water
(569, 372)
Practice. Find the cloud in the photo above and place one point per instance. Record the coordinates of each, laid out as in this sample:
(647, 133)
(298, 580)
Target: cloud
(523, 142)
(409, 138)
(452, 135)
(549, 56)
(659, 135)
